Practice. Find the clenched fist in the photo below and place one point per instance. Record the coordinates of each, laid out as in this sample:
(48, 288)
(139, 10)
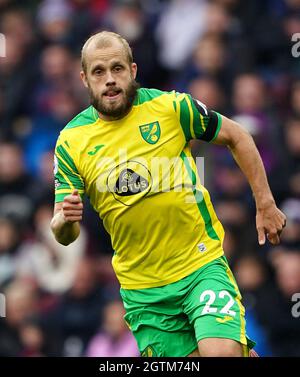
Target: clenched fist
(72, 207)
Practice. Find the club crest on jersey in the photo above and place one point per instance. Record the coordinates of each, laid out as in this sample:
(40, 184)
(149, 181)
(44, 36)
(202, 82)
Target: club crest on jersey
(150, 132)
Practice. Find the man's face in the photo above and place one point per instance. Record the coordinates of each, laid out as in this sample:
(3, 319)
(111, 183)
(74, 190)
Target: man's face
(110, 80)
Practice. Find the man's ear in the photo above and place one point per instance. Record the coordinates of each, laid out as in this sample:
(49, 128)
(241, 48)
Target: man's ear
(83, 78)
(134, 70)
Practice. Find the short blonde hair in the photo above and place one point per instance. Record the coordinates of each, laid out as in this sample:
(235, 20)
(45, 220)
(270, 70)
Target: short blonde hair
(104, 39)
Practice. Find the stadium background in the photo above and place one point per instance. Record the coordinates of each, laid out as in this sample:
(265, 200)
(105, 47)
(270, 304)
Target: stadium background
(235, 56)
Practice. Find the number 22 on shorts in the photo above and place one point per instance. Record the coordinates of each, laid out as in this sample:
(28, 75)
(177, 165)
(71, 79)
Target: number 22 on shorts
(208, 309)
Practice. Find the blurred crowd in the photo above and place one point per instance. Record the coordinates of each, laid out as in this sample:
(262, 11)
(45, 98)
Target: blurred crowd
(233, 55)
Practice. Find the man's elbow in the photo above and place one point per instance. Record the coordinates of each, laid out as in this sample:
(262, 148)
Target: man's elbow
(64, 242)
(63, 238)
(64, 233)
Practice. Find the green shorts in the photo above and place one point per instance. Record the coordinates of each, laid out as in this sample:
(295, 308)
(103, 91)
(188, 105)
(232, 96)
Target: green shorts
(168, 321)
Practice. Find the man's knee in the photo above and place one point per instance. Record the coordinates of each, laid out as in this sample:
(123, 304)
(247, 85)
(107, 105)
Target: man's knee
(219, 347)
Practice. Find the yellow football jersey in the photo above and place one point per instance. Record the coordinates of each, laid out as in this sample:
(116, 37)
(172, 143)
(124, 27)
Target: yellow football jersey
(140, 177)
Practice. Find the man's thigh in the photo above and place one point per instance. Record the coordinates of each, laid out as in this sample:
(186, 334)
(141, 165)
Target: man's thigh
(214, 306)
(219, 347)
(171, 320)
(157, 321)
(155, 342)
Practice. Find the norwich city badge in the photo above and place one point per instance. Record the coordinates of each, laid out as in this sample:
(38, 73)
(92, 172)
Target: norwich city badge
(150, 132)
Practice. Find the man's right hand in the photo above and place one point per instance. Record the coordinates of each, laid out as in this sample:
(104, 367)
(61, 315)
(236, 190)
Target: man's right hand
(72, 207)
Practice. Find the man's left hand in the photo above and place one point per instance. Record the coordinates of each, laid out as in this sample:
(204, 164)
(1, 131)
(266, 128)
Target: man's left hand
(269, 221)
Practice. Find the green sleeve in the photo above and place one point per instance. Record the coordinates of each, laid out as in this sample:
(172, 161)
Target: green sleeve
(196, 120)
(67, 177)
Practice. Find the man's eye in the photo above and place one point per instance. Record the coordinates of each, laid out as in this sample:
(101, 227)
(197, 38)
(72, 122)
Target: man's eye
(98, 72)
(118, 68)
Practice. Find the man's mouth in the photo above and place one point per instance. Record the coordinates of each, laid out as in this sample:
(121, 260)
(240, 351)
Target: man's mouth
(112, 93)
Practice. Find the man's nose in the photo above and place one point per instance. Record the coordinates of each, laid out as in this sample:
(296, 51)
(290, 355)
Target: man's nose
(110, 79)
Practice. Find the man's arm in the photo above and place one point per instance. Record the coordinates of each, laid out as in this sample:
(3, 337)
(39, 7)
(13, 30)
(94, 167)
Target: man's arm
(65, 222)
(269, 219)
